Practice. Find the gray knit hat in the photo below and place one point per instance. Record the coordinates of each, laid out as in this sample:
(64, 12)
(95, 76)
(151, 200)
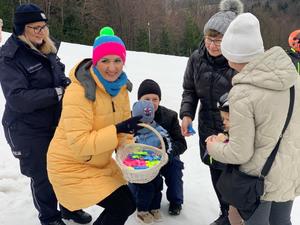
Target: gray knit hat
(220, 21)
(145, 109)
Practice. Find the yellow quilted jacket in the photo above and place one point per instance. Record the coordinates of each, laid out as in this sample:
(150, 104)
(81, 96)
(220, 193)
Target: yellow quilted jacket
(79, 161)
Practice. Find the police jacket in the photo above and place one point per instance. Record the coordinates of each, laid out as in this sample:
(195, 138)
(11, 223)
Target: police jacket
(28, 80)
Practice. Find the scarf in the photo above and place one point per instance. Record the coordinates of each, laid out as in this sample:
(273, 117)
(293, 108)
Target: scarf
(112, 88)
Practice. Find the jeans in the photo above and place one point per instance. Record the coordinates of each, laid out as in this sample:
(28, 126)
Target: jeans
(272, 213)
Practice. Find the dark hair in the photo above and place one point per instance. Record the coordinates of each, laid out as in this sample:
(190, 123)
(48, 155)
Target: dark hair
(212, 33)
(223, 104)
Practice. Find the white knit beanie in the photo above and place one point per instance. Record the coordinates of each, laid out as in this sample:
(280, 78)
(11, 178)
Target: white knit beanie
(242, 41)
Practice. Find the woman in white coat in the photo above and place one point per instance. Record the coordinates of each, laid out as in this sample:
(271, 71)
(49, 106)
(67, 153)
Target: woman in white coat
(259, 102)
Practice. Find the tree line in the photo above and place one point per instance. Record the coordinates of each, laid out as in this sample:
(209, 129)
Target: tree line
(173, 27)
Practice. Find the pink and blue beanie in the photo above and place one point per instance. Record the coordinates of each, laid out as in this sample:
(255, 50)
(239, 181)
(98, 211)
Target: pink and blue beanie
(107, 43)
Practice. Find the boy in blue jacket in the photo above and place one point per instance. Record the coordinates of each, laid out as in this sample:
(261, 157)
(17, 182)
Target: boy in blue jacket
(148, 195)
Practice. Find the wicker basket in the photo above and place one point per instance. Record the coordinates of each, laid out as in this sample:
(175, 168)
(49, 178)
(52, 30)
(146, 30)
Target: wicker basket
(148, 174)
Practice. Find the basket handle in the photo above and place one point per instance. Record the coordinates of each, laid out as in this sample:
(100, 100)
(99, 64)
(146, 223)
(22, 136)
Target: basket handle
(163, 146)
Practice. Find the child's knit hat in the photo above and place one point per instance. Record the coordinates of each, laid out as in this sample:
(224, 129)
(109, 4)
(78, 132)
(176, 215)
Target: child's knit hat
(145, 109)
(223, 104)
(149, 86)
(107, 43)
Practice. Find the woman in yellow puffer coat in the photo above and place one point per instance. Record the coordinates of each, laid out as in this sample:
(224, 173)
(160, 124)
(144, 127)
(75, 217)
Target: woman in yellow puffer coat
(95, 121)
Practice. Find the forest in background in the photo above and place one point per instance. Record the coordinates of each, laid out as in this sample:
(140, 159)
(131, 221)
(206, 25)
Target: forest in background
(172, 27)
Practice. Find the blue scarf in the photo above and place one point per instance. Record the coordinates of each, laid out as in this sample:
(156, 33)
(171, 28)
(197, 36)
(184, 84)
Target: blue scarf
(112, 88)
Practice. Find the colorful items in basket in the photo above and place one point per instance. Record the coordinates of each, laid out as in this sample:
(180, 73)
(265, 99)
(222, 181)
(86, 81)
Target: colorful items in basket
(141, 160)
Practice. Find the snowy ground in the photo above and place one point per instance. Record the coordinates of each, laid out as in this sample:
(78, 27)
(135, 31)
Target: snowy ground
(200, 206)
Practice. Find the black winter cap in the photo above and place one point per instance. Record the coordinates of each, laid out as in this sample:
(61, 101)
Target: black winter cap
(149, 86)
(27, 13)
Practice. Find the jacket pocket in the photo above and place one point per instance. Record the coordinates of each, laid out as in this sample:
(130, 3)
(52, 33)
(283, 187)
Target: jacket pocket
(18, 149)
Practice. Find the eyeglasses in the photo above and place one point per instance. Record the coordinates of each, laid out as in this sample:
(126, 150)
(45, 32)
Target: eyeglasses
(38, 29)
(217, 42)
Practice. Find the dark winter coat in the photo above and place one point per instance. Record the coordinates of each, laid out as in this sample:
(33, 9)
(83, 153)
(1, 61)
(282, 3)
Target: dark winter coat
(168, 119)
(28, 81)
(206, 79)
(295, 57)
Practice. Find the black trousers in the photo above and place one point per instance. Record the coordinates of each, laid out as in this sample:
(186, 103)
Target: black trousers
(215, 175)
(117, 207)
(34, 166)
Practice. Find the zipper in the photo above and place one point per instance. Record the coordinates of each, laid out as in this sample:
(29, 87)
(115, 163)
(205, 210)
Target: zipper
(113, 106)
(298, 67)
(212, 80)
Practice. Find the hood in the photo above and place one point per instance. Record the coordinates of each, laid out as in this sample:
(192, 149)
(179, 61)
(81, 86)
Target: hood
(272, 70)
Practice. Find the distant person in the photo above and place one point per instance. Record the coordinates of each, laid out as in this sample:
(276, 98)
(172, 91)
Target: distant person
(294, 51)
(167, 118)
(148, 195)
(259, 103)
(96, 120)
(33, 82)
(207, 77)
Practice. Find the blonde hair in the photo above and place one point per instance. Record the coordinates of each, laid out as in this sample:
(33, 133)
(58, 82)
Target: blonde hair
(46, 48)
(1, 22)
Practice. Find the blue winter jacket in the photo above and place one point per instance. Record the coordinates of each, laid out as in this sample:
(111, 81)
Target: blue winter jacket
(147, 137)
(28, 80)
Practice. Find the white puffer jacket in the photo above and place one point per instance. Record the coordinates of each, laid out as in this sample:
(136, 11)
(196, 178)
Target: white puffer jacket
(259, 102)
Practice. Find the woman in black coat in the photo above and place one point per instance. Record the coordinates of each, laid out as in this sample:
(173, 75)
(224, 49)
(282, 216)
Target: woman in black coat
(33, 82)
(207, 77)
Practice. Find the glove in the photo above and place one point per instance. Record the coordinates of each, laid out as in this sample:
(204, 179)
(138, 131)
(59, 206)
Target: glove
(60, 92)
(129, 126)
(66, 82)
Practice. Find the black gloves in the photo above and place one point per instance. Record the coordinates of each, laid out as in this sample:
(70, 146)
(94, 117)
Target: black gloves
(66, 82)
(129, 126)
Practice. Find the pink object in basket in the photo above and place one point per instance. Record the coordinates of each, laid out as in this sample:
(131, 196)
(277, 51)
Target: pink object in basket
(134, 162)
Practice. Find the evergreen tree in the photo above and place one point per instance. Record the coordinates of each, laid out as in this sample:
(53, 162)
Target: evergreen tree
(191, 37)
(142, 41)
(165, 42)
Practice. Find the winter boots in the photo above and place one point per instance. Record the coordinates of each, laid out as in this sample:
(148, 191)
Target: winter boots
(174, 209)
(144, 217)
(78, 216)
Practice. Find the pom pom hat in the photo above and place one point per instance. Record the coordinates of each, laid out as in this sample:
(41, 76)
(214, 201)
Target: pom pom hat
(220, 21)
(107, 43)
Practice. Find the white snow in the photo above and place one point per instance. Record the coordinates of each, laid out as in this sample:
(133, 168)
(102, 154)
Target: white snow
(200, 203)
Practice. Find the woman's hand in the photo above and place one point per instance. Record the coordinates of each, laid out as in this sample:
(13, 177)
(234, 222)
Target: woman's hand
(186, 121)
(222, 137)
(210, 141)
(129, 126)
